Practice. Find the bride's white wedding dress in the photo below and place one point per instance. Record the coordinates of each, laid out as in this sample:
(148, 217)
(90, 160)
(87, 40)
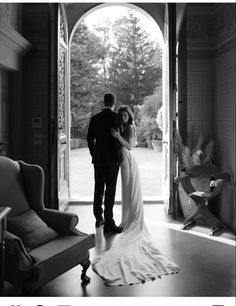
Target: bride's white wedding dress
(133, 258)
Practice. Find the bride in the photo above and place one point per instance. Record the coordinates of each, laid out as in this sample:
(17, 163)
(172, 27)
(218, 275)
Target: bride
(133, 258)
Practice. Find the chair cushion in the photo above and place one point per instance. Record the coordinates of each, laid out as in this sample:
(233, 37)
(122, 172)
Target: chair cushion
(32, 230)
(59, 255)
(11, 188)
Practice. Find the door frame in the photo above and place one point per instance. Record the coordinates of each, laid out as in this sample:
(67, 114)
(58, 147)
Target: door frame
(54, 135)
(172, 71)
(169, 119)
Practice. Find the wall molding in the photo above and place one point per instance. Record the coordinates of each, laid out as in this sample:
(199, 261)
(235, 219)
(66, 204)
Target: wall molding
(12, 47)
(210, 32)
(201, 49)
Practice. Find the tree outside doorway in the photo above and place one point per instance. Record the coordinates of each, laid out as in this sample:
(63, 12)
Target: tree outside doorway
(117, 52)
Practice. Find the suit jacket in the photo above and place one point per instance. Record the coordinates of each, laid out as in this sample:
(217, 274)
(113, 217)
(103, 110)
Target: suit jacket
(103, 147)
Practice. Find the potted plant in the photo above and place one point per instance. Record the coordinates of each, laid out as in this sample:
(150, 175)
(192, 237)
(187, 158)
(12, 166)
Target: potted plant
(157, 140)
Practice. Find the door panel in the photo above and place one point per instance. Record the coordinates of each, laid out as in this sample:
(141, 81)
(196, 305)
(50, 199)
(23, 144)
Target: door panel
(62, 110)
(169, 109)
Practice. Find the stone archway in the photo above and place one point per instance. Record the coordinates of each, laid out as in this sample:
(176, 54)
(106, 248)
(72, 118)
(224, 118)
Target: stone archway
(75, 11)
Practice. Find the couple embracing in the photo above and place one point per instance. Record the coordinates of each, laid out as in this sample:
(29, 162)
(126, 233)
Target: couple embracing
(133, 258)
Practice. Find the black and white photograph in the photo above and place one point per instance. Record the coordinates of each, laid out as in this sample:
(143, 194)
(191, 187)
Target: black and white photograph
(117, 153)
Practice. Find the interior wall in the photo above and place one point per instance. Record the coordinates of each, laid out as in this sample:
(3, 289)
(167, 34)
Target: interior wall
(10, 15)
(5, 104)
(224, 92)
(225, 106)
(36, 91)
(24, 91)
(199, 74)
(211, 89)
(224, 101)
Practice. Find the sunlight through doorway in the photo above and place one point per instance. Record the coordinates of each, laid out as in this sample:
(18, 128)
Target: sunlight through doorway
(118, 49)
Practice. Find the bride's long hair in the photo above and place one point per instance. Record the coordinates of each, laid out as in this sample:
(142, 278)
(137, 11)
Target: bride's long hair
(126, 108)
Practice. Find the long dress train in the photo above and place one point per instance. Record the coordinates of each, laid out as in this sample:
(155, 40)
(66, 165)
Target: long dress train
(133, 258)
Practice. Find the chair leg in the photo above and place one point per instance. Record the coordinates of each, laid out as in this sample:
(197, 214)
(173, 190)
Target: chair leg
(215, 230)
(187, 223)
(213, 221)
(85, 279)
(210, 219)
(190, 220)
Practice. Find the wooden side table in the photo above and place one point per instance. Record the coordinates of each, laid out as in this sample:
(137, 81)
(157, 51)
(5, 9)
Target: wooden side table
(3, 214)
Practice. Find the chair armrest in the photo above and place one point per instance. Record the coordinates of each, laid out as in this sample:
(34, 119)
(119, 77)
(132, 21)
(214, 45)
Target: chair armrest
(15, 247)
(218, 185)
(61, 221)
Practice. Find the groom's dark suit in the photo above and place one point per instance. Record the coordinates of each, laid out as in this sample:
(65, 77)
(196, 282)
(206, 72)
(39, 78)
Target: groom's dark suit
(106, 157)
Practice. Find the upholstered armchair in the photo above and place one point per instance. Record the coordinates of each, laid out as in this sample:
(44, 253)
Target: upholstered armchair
(41, 243)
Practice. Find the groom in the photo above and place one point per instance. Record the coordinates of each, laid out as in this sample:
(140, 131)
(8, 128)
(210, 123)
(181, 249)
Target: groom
(106, 157)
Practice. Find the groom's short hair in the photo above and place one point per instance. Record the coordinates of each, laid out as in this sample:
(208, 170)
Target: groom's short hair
(109, 99)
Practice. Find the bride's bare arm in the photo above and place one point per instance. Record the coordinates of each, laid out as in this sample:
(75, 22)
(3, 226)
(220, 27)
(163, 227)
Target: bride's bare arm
(125, 142)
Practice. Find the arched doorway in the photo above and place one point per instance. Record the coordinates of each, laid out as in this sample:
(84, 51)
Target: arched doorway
(117, 48)
(158, 11)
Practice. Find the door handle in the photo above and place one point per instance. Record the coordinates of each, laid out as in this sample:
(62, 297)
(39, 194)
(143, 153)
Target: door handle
(165, 142)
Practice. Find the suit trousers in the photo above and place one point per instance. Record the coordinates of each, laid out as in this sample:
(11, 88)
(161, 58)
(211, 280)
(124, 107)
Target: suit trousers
(105, 176)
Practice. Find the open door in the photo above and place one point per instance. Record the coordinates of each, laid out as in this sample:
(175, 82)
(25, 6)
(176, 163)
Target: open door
(59, 109)
(63, 109)
(169, 109)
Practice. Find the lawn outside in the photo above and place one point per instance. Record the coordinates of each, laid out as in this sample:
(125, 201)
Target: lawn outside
(82, 181)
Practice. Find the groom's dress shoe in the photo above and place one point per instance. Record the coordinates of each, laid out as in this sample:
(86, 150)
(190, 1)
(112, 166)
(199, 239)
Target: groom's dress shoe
(98, 223)
(112, 229)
